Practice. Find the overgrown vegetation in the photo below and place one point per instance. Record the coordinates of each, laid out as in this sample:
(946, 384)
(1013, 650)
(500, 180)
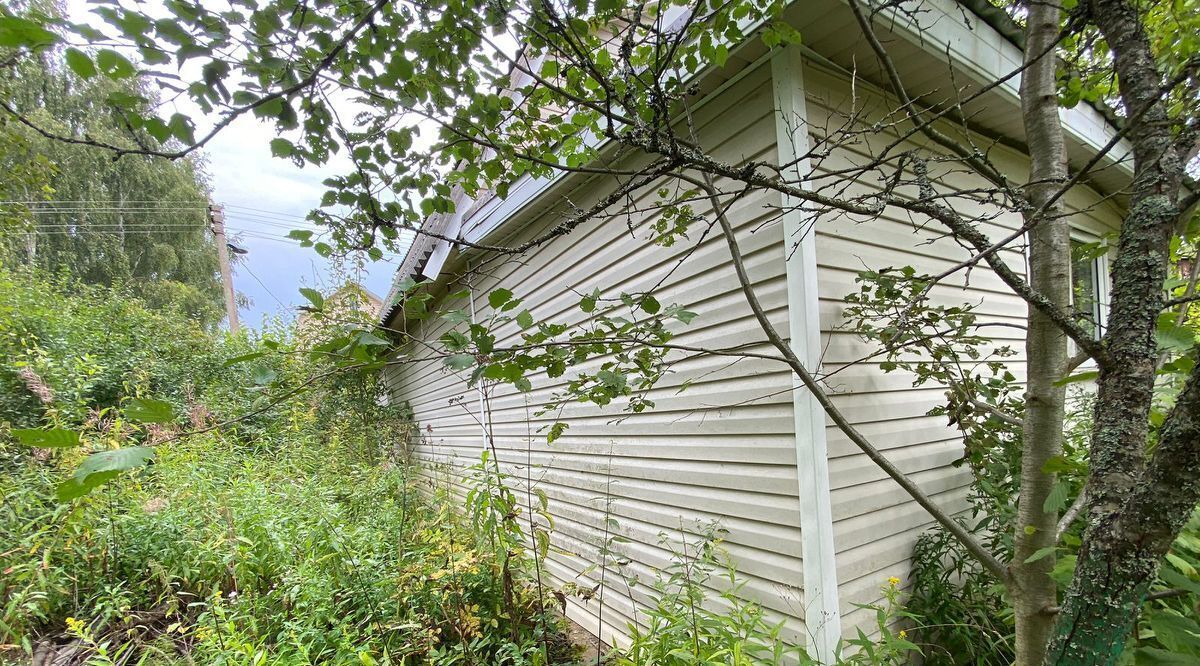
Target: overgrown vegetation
(292, 534)
(628, 77)
(966, 617)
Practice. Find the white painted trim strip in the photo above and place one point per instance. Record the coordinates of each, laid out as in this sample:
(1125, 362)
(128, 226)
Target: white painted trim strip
(822, 613)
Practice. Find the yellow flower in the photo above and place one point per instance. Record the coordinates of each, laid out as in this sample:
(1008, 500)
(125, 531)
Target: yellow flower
(903, 633)
(893, 581)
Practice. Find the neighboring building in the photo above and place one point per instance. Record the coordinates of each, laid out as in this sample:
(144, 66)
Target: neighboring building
(813, 525)
(351, 300)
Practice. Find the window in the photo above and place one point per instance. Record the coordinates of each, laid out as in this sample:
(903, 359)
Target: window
(1089, 289)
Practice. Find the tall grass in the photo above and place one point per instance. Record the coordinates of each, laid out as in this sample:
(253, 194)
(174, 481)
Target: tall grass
(295, 535)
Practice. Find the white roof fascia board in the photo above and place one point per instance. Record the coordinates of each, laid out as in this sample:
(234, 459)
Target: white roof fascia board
(464, 206)
(442, 247)
(529, 188)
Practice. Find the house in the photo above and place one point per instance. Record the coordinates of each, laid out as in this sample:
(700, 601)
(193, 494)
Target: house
(349, 301)
(813, 525)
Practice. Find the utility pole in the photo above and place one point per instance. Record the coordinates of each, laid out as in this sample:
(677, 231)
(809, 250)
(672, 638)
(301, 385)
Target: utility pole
(216, 217)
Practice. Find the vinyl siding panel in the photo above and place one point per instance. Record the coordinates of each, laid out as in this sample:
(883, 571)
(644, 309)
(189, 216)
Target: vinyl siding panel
(722, 451)
(876, 523)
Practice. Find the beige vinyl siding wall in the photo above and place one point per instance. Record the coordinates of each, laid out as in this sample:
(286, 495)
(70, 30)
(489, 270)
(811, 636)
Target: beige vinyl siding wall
(723, 450)
(876, 523)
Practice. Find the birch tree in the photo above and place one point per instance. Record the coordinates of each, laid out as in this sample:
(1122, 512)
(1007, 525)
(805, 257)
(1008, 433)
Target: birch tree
(431, 101)
(141, 222)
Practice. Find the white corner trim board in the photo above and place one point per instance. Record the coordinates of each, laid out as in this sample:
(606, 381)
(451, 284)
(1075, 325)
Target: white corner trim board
(822, 614)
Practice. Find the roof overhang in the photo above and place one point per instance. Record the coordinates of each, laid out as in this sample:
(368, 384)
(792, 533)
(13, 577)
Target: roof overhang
(945, 50)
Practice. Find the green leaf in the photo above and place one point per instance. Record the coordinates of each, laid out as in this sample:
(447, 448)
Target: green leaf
(1148, 656)
(780, 32)
(1059, 464)
(406, 285)
(114, 65)
(181, 128)
(1175, 579)
(587, 303)
(287, 117)
(456, 316)
(651, 305)
(1057, 499)
(1176, 633)
(1064, 570)
(73, 488)
(720, 55)
(282, 147)
(1041, 553)
(685, 316)
(460, 361)
(1086, 376)
(1172, 336)
(54, 438)
(369, 339)
(556, 431)
(314, 297)
(1181, 564)
(242, 359)
(147, 410)
(300, 234)
(524, 319)
(16, 32)
(101, 467)
(115, 460)
(499, 297)
(263, 376)
(80, 63)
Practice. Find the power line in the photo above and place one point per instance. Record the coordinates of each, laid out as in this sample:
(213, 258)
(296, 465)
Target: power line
(279, 224)
(112, 209)
(267, 289)
(102, 202)
(146, 229)
(67, 206)
(259, 210)
(143, 227)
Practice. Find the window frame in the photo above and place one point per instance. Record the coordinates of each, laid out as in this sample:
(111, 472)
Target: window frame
(1100, 269)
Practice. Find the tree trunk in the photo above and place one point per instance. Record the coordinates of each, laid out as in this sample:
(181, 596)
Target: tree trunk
(1031, 587)
(1135, 510)
(1122, 552)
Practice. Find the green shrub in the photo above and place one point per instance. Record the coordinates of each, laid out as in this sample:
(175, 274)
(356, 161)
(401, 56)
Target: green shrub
(288, 535)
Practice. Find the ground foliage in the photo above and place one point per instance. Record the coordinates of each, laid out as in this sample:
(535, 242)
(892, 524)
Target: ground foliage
(290, 534)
